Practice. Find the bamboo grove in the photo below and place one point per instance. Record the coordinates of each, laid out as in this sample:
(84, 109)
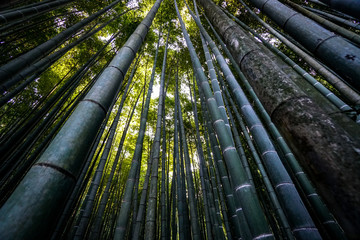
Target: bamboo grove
(178, 119)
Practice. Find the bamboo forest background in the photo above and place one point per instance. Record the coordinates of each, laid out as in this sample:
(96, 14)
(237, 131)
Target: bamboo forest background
(179, 120)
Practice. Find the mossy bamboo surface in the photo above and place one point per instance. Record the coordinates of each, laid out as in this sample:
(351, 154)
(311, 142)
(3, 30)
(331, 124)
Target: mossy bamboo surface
(341, 105)
(291, 113)
(343, 88)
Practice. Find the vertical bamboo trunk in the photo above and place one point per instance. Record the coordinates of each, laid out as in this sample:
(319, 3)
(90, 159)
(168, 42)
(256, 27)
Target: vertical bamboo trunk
(123, 217)
(150, 225)
(42, 193)
(195, 228)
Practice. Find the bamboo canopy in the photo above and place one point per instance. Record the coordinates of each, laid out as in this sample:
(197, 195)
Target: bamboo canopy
(233, 122)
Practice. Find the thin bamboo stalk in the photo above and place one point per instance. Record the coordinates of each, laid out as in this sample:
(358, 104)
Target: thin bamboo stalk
(299, 219)
(122, 219)
(16, 65)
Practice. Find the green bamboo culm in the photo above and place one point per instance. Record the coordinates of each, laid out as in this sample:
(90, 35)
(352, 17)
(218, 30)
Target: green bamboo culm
(180, 204)
(43, 191)
(300, 220)
(39, 67)
(243, 190)
(195, 227)
(123, 217)
(88, 206)
(150, 225)
(340, 20)
(239, 224)
(208, 198)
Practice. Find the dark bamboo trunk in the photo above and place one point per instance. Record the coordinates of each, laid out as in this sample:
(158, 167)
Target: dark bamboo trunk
(307, 128)
(337, 53)
(351, 7)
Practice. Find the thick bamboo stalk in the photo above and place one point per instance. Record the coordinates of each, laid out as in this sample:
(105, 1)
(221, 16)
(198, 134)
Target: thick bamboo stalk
(329, 25)
(53, 176)
(339, 54)
(287, 106)
(334, 18)
(300, 220)
(88, 206)
(343, 88)
(342, 106)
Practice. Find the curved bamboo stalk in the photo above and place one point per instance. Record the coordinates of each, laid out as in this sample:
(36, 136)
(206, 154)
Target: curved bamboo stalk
(58, 168)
